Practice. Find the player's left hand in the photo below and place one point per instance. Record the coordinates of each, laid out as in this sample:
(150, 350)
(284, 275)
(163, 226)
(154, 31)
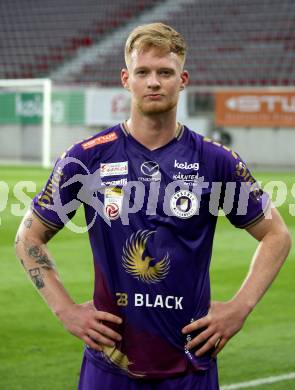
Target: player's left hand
(222, 322)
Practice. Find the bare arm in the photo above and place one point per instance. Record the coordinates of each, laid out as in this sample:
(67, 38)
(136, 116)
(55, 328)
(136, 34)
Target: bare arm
(83, 321)
(225, 319)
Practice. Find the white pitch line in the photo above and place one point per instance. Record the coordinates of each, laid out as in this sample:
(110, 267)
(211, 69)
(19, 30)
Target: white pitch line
(259, 382)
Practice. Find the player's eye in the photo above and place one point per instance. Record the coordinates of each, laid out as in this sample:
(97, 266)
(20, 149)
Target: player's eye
(165, 72)
(141, 72)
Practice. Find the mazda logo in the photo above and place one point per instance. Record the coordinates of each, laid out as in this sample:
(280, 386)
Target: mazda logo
(150, 168)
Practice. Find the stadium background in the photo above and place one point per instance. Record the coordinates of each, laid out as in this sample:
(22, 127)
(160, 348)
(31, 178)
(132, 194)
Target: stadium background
(241, 61)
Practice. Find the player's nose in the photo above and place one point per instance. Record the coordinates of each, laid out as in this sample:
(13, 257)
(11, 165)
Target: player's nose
(153, 80)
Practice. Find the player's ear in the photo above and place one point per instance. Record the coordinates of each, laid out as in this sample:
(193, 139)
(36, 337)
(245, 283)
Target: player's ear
(125, 78)
(184, 79)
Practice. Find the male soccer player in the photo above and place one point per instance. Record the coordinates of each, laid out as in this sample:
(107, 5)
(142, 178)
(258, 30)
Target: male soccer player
(151, 190)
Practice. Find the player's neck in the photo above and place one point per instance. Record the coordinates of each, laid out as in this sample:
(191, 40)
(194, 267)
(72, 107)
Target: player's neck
(153, 131)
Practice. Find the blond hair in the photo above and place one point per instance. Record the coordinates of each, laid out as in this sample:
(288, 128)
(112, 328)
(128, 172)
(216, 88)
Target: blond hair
(157, 35)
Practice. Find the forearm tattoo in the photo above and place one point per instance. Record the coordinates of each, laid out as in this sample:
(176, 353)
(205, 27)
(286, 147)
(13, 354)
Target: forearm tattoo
(36, 276)
(28, 222)
(41, 258)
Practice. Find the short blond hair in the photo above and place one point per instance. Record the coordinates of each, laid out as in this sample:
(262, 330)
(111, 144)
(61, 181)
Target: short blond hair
(157, 35)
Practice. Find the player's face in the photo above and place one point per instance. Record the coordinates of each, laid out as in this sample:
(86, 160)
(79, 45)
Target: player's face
(154, 79)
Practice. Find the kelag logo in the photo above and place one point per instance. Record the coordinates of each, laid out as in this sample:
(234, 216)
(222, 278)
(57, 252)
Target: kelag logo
(29, 107)
(186, 166)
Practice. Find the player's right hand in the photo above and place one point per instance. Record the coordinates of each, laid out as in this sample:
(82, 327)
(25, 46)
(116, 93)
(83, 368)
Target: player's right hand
(86, 322)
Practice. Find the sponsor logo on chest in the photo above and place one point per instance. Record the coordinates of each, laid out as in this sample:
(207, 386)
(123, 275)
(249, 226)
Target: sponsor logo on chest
(113, 200)
(183, 168)
(150, 170)
(150, 301)
(118, 182)
(102, 139)
(186, 166)
(114, 169)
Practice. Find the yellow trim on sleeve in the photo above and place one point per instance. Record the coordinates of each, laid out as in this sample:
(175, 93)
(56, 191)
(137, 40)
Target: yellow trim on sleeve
(257, 219)
(45, 221)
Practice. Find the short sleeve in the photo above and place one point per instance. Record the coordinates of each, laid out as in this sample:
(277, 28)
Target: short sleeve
(243, 200)
(57, 203)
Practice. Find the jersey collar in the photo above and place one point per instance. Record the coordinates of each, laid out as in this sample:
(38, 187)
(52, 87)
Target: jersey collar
(178, 134)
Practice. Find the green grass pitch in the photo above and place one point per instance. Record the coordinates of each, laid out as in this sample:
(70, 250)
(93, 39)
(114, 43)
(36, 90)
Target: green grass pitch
(36, 352)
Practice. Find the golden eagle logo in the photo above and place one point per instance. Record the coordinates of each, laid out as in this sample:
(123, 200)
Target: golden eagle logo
(140, 267)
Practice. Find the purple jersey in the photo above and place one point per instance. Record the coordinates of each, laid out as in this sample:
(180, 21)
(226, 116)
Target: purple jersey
(151, 218)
